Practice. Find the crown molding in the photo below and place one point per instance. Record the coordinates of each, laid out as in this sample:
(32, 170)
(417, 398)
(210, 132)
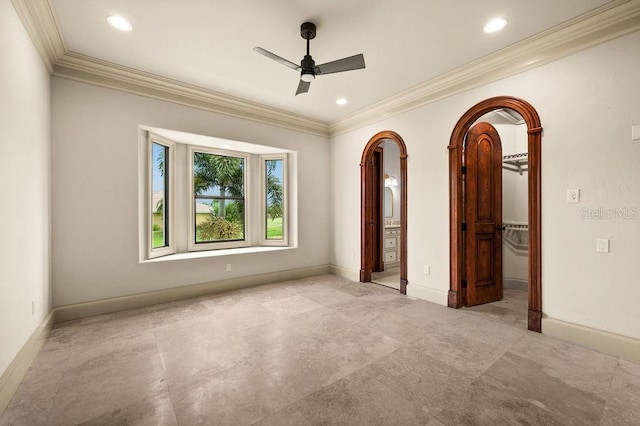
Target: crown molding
(86, 69)
(610, 21)
(41, 24)
(615, 19)
(39, 19)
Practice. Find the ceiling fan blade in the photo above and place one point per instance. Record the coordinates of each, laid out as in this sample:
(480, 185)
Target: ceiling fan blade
(277, 58)
(303, 87)
(354, 62)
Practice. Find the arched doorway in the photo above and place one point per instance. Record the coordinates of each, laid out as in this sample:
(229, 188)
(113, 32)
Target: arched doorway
(456, 214)
(367, 210)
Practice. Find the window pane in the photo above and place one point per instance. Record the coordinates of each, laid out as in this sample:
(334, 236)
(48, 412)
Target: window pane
(159, 179)
(218, 182)
(274, 209)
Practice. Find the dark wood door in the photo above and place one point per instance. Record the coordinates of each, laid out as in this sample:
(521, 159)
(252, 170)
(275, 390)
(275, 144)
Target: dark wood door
(483, 215)
(377, 219)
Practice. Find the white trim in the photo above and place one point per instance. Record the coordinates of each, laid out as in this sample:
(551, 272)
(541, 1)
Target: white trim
(612, 20)
(39, 19)
(263, 200)
(350, 274)
(602, 341)
(215, 253)
(246, 241)
(86, 69)
(169, 207)
(107, 306)
(605, 23)
(428, 294)
(15, 372)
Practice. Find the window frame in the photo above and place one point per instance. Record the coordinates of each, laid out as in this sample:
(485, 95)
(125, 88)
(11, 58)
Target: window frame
(263, 241)
(218, 245)
(170, 195)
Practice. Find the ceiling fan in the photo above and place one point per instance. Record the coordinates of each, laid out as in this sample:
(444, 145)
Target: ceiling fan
(308, 68)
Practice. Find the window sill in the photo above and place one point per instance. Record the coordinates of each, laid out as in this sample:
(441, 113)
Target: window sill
(214, 253)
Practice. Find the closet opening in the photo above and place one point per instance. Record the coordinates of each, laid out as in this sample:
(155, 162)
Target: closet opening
(495, 196)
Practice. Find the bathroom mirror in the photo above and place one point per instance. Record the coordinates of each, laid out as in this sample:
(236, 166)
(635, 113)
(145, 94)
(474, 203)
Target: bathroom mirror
(388, 202)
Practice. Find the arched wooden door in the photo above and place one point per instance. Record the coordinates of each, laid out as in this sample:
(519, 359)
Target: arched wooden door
(367, 221)
(483, 216)
(456, 211)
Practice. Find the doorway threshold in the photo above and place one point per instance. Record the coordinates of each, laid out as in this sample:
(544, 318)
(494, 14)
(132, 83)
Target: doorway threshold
(389, 278)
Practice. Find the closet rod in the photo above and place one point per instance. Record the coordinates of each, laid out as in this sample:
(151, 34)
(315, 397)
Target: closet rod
(515, 162)
(516, 225)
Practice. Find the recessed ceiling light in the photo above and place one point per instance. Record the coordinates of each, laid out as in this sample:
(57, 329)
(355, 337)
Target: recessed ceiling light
(495, 25)
(341, 101)
(119, 22)
(225, 146)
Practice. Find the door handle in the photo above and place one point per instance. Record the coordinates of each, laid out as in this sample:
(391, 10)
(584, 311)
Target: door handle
(500, 227)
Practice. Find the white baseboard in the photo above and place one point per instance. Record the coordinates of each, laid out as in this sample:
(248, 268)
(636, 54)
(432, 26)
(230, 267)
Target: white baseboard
(15, 372)
(516, 283)
(116, 304)
(350, 274)
(426, 293)
(601, 341)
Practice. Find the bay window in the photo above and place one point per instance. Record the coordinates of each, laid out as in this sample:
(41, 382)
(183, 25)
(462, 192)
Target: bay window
(201, 197)
(160, 215)
(274, 207)
(218, 210)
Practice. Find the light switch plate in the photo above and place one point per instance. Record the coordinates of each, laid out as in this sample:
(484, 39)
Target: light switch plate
(602, 245)
(635, 133)
(573, 195)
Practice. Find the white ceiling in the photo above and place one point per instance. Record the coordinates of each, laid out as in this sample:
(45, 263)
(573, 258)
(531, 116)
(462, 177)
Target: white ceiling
(209, 43)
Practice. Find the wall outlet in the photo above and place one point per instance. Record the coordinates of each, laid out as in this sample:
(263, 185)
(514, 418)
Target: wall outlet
(635, 133)
(573, 195)
(602, 245)
(427, 270)
(228, 267)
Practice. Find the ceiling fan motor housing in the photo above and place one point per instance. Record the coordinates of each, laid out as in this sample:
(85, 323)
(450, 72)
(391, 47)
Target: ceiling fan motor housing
(308, 31)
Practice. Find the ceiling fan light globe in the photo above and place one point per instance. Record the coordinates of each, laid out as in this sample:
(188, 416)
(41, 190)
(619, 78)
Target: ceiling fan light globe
(307, 77)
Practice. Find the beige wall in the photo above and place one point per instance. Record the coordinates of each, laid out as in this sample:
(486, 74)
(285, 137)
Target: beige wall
(90, 123)
(24, 187)
(587, 103)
